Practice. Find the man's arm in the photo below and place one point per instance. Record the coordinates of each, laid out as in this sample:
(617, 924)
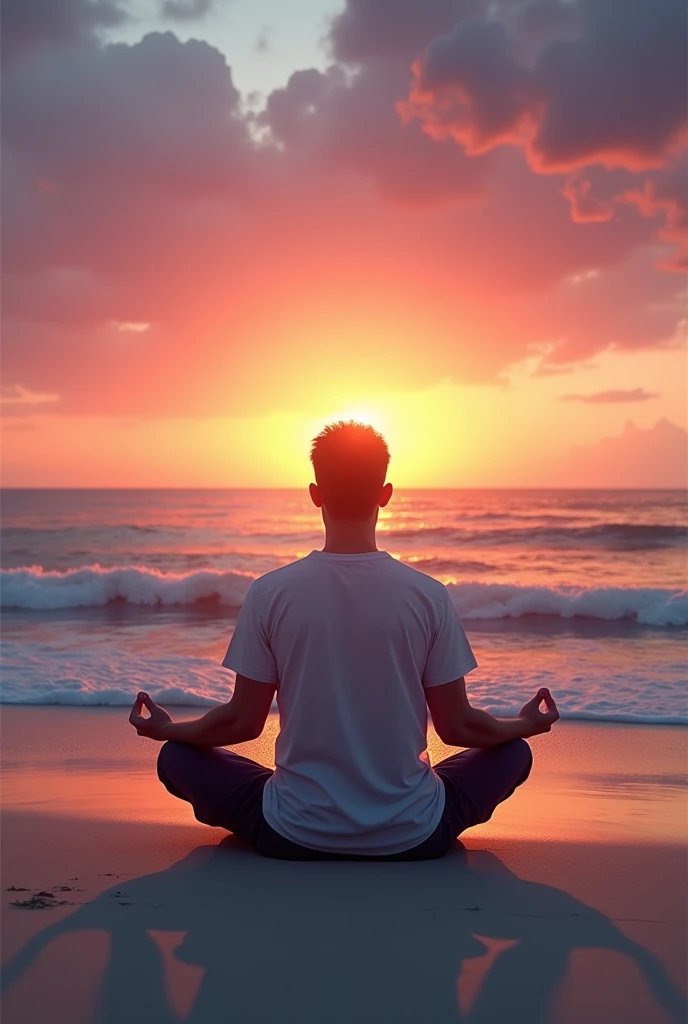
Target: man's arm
(240, 720)
(460, 725)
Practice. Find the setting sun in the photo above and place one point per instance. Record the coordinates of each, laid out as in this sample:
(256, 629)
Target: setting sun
(359, 414)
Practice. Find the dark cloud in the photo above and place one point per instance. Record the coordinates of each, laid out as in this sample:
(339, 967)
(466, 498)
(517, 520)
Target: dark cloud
(664, 196)
(31, 24)
(159, 117)
(542, 20)
(615, 94)
(186, 10)
(327, 121)
(367, 30)
(612, 396)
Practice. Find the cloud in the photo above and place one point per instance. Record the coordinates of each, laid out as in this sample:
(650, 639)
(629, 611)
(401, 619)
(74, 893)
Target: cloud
(156, 117)
(186, 10)
(665, 196)
(586, 208)
(611, 396)
(655, 457)
(322, 239)
(577, 85)
(27, 25)
(604, 96)
(16, 400)
(369, 30)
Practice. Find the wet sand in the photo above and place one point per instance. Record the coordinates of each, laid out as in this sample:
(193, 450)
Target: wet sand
(567, 907)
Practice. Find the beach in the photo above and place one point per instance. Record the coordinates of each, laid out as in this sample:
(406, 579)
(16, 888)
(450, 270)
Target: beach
(566, 906)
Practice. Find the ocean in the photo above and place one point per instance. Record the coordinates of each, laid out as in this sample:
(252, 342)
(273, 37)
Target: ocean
(105, 592)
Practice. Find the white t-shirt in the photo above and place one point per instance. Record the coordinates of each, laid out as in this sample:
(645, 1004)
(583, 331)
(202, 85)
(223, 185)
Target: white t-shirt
(351, 642)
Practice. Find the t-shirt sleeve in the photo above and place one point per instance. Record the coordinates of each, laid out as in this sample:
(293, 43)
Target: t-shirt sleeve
(449, 656)
(249, 652)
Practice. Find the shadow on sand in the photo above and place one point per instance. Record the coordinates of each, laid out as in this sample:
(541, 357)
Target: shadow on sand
(459, 939)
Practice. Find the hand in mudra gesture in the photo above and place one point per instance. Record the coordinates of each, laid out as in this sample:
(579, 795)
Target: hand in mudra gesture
(154, 724)
(539, 721)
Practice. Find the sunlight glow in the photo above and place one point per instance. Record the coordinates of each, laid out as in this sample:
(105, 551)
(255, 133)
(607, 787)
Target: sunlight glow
(360, 414)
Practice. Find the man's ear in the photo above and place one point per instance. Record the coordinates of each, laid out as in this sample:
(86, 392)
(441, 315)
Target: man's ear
(385, 496)
(314, 492)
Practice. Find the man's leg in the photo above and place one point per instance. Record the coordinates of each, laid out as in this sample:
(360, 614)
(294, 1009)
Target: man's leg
(477, 780)
(224, 789)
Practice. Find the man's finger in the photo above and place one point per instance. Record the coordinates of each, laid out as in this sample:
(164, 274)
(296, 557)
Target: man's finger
(549, 701)
(533, 702)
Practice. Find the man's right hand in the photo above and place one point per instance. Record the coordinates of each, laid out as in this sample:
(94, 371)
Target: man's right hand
(537, 721)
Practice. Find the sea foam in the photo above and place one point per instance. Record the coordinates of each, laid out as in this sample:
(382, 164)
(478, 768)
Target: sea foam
(36, 588)
(93, 674)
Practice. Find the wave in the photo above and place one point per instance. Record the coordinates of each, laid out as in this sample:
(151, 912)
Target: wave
(645, 708)
(551, 533)
(648, 606)
(620, 536)
(42, 590)
(49, 590)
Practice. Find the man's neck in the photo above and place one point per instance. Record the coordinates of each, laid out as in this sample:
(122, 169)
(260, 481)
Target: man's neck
(350, 538)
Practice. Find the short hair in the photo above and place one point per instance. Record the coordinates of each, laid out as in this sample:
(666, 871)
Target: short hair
(350, 460)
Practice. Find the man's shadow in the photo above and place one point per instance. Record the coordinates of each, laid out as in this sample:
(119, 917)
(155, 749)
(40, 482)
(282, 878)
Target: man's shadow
(461, 939)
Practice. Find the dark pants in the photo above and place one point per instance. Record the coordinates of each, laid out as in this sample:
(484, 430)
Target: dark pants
(226, 790)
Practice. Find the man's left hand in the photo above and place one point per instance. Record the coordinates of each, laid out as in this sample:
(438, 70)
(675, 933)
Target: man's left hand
(155, 725)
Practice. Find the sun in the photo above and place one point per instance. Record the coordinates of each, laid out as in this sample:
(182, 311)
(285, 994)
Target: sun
(359, 413)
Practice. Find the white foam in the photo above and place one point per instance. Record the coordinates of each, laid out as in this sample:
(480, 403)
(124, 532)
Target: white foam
(66, 667)
(649, 606)
(44, 590)
(36, 588)
(107, 674)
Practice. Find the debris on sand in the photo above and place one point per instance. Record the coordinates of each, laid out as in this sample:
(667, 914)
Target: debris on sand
(41, 901)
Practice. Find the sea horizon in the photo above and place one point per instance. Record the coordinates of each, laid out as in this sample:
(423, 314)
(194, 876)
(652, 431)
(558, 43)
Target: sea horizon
(110, 590)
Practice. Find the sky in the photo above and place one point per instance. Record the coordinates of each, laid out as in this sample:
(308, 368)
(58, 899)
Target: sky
(227, 223)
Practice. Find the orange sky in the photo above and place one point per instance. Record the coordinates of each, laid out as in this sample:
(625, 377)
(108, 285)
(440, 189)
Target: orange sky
(234, 252)
(518, 434)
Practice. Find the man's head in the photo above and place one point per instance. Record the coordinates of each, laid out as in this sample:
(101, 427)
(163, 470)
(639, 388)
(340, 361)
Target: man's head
(350, 462)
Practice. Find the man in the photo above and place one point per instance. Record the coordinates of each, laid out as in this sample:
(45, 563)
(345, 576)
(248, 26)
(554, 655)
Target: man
(357, 647)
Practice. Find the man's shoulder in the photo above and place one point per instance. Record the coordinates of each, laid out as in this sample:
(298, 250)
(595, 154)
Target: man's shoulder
(284, 574)
(419, 580)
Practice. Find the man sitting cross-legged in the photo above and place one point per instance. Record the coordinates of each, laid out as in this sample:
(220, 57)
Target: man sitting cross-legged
(357, 646)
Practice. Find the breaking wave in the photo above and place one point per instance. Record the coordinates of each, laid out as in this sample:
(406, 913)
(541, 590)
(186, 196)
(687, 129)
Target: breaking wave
(36, 588)
(94, 587)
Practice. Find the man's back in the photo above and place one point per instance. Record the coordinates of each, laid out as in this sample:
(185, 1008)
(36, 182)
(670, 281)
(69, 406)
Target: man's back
(351, 640)
(357, 646)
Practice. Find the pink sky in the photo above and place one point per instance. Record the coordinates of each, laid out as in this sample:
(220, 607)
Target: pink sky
(479, 217)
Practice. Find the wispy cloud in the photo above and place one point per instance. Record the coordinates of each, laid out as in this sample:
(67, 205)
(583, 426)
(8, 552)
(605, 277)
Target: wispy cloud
(17, 395)
(131, 326)
(613, 395)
